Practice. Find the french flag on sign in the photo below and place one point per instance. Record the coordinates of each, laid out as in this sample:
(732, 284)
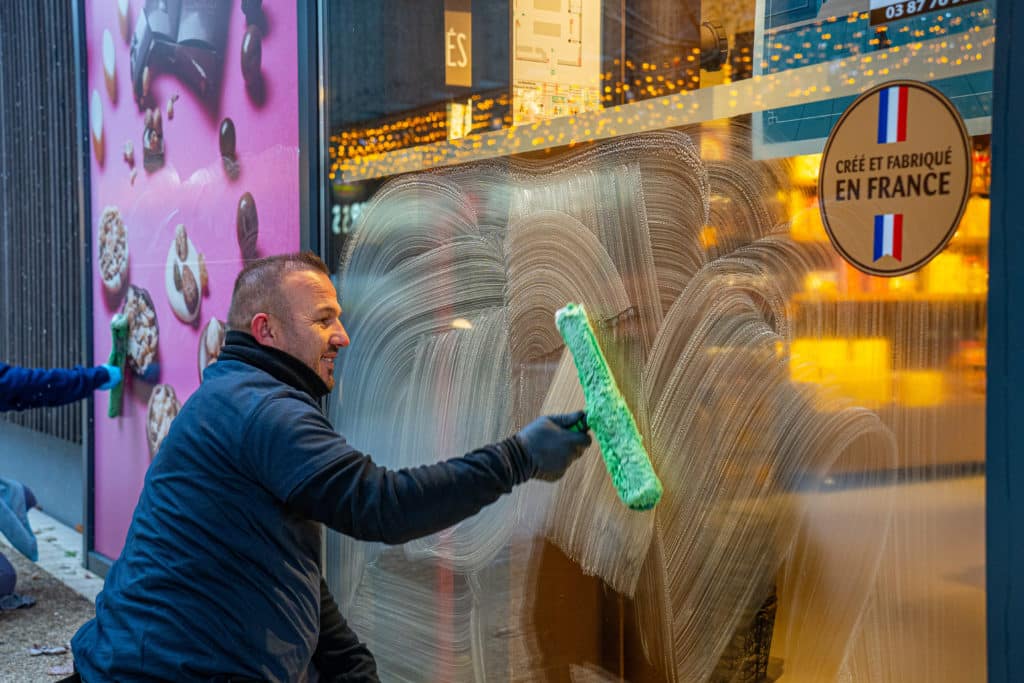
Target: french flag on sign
(889, 235)
(892, 114)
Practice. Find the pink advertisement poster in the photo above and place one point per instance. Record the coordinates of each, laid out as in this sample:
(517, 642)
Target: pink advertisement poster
(194, 168)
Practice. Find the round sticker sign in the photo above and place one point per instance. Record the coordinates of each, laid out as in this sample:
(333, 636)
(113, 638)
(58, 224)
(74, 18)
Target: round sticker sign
(894, 178)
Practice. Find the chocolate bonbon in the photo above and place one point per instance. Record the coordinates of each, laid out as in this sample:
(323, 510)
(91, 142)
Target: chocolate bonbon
(227, 147)
(227, 138)
(96, 127)
(252, 56)
(112, 237)
(109, 66)
(161, 409)
(185, 276)
(181, 242)
(247, 225)
(153, 140)
(143, 333)
(211, 340)
(124, 19)
(253, 11)
(189, 290)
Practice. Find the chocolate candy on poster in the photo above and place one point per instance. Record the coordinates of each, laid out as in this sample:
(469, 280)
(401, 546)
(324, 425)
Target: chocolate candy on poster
(181, 243)
(96, 127)
(161, 409)
(227, 148)
(189, 290)
(247, 225)
(112, 236)
(253, 11)
(211, 341)
(153, 141)
(124, 20)
(227, 139)
(143, 333)
(252, 56)
(109, 66)
(198, 68)
(185, 276)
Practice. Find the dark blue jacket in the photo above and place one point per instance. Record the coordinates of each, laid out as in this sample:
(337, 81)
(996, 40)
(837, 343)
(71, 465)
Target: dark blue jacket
(22, 388)
(220, 575)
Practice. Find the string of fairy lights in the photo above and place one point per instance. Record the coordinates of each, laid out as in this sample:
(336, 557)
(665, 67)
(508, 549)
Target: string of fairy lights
(877, 47)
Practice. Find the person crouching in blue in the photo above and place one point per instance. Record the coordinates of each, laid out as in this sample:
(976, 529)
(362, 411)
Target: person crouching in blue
(21, 389)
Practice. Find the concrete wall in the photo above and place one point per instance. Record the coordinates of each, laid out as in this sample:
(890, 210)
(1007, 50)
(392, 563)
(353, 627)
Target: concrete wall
(51, 467)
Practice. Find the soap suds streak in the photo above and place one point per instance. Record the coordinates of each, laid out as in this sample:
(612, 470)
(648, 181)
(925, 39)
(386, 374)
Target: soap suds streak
(697, 326)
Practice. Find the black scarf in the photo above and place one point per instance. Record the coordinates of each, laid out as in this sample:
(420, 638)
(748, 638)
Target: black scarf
(282, 366)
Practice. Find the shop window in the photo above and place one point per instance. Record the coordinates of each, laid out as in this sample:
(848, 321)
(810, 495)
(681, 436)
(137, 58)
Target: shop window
(819, 431)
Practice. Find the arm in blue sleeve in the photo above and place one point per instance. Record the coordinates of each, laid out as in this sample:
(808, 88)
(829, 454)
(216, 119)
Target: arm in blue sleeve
(22, 388)
(349, 493)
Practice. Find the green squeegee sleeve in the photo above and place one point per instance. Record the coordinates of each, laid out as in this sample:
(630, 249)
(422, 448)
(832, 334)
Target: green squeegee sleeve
(608, 415)
(118, 356)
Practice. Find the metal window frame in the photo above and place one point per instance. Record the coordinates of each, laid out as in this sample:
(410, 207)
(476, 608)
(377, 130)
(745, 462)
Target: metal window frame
(1005, 370)
(92, 560)
(1004, 499)
(311, 189)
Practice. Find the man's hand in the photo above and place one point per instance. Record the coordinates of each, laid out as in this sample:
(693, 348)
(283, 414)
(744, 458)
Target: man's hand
(552, 444)
(115, 377)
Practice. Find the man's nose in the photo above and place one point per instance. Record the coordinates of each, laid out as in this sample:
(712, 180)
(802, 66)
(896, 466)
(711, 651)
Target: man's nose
(340, 336)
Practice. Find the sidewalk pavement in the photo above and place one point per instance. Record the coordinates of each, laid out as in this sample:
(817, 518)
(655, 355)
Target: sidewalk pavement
(60, 554)
(34, 640)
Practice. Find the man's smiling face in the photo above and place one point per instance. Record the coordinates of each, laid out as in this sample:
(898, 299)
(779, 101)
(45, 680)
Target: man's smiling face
(311, 328)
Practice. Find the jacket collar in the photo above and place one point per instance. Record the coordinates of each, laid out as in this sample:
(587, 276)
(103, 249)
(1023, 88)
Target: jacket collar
(282, 366)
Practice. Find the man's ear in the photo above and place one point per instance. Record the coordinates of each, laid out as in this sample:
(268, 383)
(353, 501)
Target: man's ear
(262, 329)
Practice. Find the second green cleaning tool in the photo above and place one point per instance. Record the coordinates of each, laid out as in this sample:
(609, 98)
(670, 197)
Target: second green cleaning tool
(118, 356)
(622, 447)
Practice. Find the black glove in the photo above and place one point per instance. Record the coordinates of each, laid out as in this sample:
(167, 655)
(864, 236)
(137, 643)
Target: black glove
(552, 445)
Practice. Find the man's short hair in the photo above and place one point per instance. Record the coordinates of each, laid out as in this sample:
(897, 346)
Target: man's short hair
(258, 286)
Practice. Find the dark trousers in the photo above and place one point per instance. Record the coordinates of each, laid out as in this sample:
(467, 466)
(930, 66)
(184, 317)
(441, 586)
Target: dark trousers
(76, 678)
